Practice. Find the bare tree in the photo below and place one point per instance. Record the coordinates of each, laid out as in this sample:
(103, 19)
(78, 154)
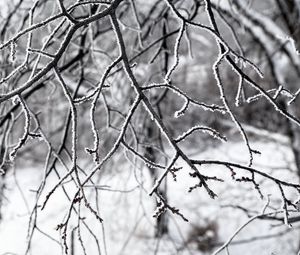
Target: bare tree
(100, 79)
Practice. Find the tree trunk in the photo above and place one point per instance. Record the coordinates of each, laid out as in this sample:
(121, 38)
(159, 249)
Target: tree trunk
(294, 135)
(162, 221)
(3, 169)
(2, 188)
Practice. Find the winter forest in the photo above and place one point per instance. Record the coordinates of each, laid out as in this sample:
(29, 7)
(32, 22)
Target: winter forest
(149, 127)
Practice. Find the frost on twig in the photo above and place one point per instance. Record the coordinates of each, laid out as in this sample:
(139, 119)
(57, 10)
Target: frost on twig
(26, 133)
(215, 134)
(13, 51)
(163, 206)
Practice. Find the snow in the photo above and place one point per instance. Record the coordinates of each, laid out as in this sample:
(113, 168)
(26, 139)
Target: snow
(128, 223)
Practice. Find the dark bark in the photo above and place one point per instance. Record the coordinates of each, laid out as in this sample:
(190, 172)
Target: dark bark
(3, 170)
(162, 220)
(294, 136)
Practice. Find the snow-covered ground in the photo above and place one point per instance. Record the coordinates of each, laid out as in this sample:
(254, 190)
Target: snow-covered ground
(128, 226)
